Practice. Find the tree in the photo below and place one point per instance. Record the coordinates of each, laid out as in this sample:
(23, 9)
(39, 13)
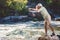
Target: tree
(17, 4)
(55, 6)
(7, 5)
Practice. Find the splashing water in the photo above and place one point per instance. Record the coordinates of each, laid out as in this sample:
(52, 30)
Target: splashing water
(23, 31)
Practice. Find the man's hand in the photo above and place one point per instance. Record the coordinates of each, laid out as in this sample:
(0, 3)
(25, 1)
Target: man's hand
(31, 9)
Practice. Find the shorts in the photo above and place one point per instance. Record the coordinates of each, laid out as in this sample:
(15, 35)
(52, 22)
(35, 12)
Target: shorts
(48, 19)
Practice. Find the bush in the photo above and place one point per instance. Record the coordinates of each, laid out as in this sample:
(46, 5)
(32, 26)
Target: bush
(33, 1)
(18, 5)
(15, 5)
(48, 1)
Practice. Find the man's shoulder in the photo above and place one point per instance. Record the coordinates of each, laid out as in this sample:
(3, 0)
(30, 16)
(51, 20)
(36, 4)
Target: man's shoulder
(43, 8)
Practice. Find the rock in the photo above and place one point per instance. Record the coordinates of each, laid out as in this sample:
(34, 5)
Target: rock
(48, 38)
(57, 19)
(58, 36)
(44, 38)
(55, 37)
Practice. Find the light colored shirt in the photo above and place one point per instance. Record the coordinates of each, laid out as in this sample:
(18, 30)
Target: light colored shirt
(44, 12)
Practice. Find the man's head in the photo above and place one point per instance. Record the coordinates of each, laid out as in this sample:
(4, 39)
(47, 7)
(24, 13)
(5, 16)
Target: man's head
(39, 5)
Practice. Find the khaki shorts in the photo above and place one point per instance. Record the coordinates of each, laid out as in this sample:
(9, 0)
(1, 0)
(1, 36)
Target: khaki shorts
(47, 19)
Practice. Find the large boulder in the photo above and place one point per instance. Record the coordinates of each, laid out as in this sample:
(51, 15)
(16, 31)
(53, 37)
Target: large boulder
(48, 38)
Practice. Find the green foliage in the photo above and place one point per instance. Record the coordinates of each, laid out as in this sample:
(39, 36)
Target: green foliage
(4, 12)
(24, 11)
(17, 4)
(2, 2)
(33, 0)
(48, 1)
(56, 7)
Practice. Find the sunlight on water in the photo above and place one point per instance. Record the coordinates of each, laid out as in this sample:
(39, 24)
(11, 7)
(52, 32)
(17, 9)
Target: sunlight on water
(23, 31)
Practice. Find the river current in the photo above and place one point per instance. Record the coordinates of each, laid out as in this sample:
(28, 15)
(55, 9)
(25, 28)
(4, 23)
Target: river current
(23, 31)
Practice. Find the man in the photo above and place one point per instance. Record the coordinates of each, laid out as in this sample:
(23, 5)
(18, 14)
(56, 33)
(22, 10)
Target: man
(47, 18)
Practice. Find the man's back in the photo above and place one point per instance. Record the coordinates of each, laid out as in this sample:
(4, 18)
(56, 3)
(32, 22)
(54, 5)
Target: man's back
(44, 12)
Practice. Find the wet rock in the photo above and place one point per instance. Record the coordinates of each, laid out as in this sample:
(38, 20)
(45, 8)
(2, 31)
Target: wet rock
(49, 38)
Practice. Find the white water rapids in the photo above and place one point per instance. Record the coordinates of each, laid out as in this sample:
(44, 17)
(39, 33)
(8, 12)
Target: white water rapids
(22, 31)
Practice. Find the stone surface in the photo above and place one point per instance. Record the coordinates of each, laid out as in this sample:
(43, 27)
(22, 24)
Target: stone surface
(49, 38)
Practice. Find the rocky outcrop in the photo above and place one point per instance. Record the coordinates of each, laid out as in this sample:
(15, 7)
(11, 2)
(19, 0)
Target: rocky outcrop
(49, 38)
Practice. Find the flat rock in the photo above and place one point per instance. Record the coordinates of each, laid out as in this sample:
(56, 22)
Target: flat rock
(49, 38)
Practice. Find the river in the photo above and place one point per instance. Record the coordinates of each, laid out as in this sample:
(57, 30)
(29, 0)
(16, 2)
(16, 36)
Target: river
(24, 30)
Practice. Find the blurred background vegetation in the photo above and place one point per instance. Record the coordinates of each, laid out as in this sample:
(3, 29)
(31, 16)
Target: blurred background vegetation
(12, 7)
(18, 7)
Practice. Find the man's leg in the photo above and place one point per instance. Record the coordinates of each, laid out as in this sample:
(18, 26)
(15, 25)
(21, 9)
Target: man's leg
(52, 29)
(49, 24)
(45, 25)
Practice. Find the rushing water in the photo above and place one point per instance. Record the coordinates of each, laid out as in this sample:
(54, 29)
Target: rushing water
(23, 31)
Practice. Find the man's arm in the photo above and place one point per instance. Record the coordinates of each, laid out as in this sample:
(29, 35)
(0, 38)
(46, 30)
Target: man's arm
(35, 9)
(39, 10)
(32, 9)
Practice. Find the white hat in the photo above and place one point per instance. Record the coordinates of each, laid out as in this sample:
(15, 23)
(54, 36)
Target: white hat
(39, 4)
